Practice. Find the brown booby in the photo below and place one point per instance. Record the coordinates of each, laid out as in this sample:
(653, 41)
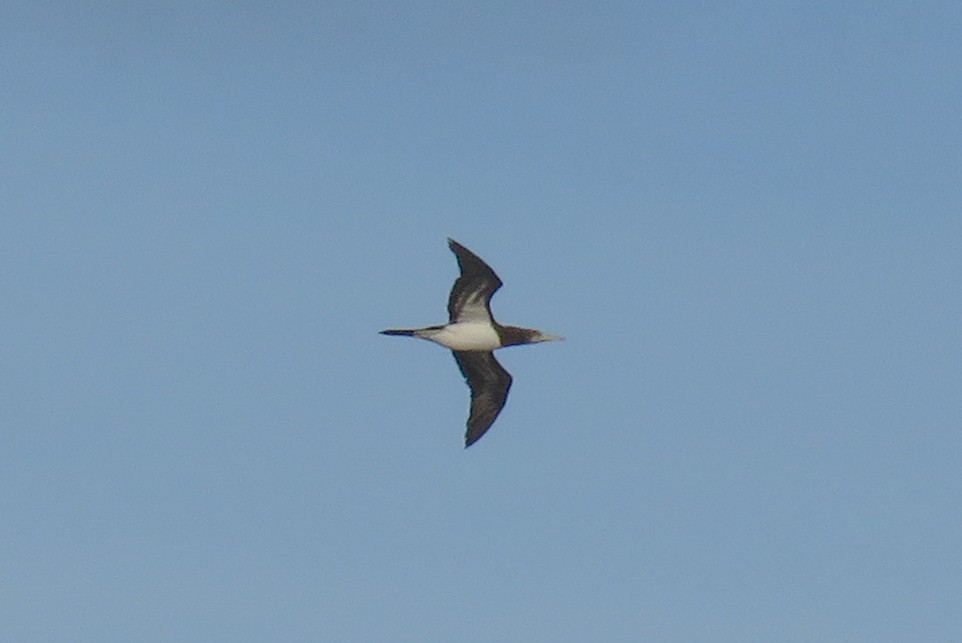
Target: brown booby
(472, 334)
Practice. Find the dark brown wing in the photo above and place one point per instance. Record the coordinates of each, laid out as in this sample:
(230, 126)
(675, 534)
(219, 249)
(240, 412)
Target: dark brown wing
(470, 299)
(489, 384)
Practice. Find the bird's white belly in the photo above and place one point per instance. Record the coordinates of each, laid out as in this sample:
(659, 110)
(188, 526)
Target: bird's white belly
(466, 336)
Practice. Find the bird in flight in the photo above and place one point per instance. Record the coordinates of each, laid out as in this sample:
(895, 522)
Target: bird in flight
(473, 335)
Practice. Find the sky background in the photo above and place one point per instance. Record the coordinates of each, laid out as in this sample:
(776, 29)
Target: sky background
(746, 218)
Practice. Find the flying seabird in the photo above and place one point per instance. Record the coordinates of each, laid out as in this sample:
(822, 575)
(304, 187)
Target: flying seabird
(472, 335)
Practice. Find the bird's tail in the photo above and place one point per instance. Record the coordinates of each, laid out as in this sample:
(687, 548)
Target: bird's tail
(395, 331)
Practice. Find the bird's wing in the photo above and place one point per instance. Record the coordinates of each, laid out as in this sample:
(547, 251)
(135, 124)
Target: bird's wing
(470, 299)
(489, 384)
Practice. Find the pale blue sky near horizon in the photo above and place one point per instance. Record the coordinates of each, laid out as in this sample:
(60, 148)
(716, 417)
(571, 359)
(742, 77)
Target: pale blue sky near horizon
(746, 218)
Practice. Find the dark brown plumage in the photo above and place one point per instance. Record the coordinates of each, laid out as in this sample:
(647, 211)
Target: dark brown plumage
(472, 334)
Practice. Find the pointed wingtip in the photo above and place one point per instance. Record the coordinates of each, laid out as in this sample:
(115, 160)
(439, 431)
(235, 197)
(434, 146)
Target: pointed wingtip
(470, 437)
(457, 247)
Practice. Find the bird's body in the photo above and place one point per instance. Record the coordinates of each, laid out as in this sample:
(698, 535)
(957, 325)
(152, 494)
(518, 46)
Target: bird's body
(460, 336)
(472, 335)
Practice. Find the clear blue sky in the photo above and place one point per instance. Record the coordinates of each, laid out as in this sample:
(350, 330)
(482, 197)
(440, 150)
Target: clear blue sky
(746, 218)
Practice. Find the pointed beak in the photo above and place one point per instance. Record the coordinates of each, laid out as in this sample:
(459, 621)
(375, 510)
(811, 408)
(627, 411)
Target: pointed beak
(548, 337)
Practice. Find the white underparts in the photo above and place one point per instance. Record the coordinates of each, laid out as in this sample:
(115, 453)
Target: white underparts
(464, 336)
